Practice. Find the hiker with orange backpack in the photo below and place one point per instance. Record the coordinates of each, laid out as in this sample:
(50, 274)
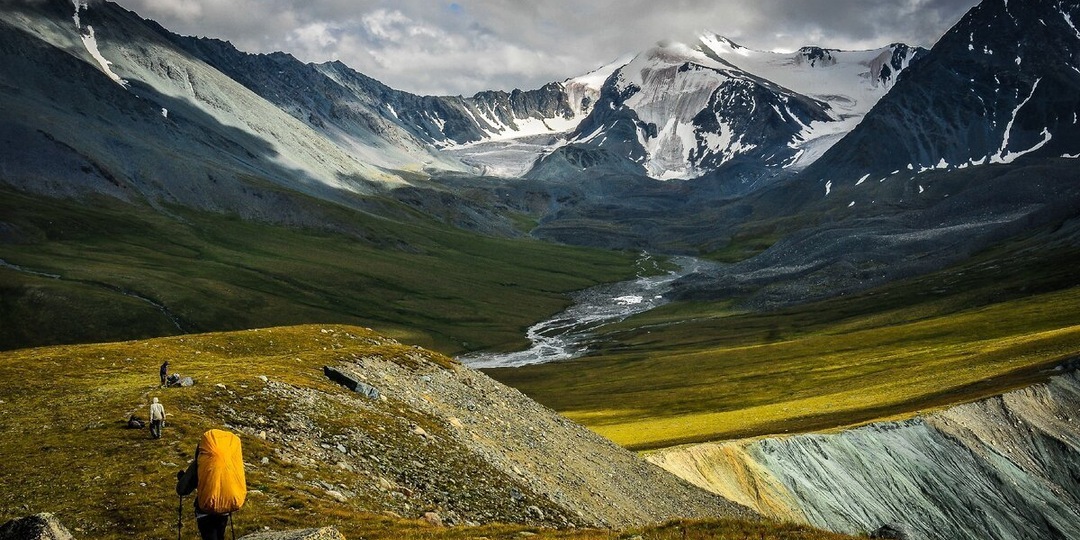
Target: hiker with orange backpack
(217, 474)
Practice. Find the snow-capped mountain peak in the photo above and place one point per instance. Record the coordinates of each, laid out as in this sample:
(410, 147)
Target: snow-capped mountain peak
(681, 110)
(590, 84)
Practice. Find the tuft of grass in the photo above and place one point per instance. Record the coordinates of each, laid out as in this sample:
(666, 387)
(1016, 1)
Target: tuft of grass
(694, 372)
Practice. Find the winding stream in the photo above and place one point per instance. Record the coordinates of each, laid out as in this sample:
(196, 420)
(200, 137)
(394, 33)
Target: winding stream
(566, 335)
(175, 320)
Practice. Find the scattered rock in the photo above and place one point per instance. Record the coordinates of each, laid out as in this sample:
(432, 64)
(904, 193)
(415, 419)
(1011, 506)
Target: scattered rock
(325, 533)
(432, 518)
(338, 496)
(534, 512)
(42, 526)
(890, 531)
(187, 381)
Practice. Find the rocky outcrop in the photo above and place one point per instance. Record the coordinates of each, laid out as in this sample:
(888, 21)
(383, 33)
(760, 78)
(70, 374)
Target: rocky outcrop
(42, 526)
(325, 533)
(351, 382)
(1003, 468)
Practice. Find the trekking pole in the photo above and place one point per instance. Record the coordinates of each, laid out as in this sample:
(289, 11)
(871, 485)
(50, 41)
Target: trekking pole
(232, 526)
(179, 517)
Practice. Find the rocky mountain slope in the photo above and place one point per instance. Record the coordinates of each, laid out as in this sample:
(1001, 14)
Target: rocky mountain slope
(1000, 468)
(1001, 84)
(96, 101)
(948, 163)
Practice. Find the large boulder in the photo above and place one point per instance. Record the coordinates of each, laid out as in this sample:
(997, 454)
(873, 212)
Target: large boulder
(325, 533)
(43, 526)
(351, 382)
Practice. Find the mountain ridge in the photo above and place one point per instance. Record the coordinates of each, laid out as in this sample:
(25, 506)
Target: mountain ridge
(1019, 97)
(712, 102)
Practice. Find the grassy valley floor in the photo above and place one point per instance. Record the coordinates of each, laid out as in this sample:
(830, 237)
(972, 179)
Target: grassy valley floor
(694, 372)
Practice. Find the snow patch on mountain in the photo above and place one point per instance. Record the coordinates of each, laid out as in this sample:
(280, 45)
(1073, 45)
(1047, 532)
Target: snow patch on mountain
(1069, 21)
(1004, 155)
(581, 94)
(79, 6)
(583, 91)
(90, 42)
(671, 85)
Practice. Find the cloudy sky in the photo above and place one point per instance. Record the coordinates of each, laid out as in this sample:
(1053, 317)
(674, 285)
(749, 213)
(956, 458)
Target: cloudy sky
(464, 46)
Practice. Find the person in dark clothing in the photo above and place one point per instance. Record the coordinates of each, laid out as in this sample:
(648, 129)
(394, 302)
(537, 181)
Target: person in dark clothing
(211, 526)
(164, 372)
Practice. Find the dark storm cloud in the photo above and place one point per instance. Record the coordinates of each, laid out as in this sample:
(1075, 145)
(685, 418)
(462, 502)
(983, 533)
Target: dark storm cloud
(463, 46)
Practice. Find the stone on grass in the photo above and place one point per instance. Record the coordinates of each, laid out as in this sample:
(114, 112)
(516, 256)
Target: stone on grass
(42, 526)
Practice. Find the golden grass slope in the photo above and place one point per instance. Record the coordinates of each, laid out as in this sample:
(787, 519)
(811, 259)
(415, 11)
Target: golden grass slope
(724, 376)
(66, 450)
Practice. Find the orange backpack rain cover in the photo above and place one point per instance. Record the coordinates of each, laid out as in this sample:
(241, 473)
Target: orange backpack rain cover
(222, 488)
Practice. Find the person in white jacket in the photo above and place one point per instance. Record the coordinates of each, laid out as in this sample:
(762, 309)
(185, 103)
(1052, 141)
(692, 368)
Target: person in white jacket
(157, 418)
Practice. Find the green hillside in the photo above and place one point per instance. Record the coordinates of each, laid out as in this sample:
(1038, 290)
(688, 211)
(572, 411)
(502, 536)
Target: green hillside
(421, 281)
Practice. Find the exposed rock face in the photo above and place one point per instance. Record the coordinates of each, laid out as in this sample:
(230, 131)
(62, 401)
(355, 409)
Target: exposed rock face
(342, 102)
(43, 526)
(450, 440)
(1002, 468)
